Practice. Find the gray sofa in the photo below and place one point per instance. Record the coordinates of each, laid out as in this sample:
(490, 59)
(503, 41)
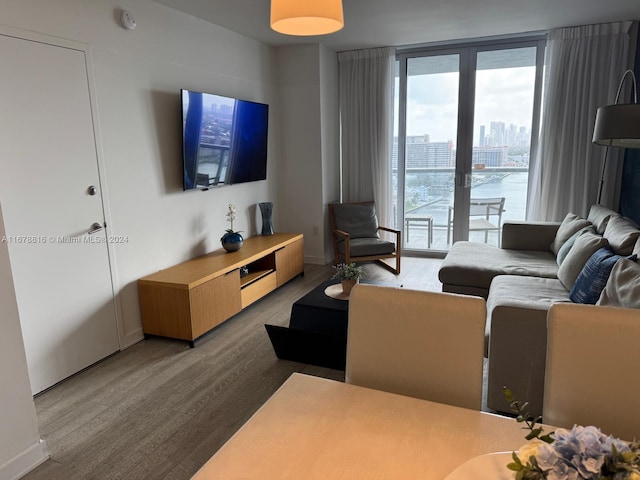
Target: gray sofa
(538, 264)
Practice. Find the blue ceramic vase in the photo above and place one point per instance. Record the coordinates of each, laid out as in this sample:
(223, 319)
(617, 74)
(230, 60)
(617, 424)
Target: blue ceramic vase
(232, 242)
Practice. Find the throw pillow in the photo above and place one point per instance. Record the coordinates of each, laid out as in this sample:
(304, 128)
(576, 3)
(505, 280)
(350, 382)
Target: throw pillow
(599, 216)
(357, 219)
(594, 276)
(584, 246)
(570, 225)
(623, 287)
(566, 246)
(622, 234)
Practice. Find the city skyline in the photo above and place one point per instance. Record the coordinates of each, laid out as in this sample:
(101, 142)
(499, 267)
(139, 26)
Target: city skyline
(432, 101)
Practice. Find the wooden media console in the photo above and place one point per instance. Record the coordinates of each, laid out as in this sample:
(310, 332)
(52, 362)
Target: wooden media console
(189, 299)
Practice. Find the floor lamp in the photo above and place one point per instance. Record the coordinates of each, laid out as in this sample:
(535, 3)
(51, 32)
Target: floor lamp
(618, 125)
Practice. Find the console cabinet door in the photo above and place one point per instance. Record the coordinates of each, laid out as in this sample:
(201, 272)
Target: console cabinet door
(289, 261)
(215, 301)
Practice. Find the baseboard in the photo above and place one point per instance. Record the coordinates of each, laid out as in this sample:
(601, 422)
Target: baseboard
(132, 338)
(314, 260)
(24, 462)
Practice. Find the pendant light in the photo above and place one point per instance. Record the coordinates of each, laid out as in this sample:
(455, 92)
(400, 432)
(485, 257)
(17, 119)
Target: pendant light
(306, 17)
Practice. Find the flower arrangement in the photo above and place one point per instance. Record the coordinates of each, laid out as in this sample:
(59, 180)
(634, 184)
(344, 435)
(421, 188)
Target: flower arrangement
(349, 271)
(582, 453)
(231, 216)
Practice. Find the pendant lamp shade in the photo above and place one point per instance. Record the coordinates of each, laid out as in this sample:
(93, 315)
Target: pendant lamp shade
(306, 17)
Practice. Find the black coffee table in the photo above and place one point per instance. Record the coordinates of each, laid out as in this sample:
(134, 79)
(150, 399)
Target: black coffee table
(317, 332)
(317, 312)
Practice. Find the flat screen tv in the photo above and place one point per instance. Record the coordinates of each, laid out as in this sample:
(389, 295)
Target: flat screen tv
(224, 140)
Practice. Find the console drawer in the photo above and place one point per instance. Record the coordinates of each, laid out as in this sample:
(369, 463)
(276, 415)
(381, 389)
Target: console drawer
(258, 289)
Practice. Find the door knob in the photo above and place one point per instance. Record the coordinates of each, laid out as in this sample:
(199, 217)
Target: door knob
(96, 227)
(92, 190)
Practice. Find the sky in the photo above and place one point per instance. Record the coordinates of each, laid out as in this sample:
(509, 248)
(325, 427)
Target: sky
(504, 95)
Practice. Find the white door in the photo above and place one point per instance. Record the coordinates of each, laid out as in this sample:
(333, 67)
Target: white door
(48, 162)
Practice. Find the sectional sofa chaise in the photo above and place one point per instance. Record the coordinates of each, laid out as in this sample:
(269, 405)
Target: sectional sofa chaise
(591, 261)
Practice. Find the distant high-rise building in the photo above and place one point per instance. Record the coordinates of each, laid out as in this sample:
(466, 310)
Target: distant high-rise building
(421, 153)
(497, 133)
(226, 110)
(490, 156)
(481, 139)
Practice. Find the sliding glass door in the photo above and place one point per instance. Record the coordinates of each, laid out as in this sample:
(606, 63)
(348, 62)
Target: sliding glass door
(465, 125)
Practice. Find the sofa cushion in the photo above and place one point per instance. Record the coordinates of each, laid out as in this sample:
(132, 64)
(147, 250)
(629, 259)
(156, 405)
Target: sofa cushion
(525, 292)
(593, 277)
(570, 225)
(623, 286)
(358, 220)
(476, 264)
(566, 246)
(599, 216)
(584, 246)
(622, 234)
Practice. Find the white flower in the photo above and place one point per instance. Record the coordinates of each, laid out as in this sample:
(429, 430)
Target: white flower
(231, 216)
(529, 450)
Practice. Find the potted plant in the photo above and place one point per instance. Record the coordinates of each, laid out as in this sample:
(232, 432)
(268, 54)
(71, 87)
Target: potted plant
(349, 275)
(232, 240)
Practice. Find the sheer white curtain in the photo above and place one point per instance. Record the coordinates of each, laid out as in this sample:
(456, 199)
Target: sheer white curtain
(366, 116)
(584, 66)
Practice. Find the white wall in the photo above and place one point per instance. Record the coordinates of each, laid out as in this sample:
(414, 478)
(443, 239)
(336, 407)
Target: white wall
(307, 77)
(138, 75)
(20, 445)
(330, 115)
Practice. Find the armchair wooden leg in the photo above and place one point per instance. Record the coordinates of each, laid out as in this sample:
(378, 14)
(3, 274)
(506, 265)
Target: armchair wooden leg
(395, 270)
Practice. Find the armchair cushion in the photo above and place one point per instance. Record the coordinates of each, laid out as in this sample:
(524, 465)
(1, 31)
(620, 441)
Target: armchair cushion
(358, 220)
(366, 247)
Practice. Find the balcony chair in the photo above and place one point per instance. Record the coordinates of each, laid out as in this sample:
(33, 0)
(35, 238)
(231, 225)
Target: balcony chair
(480, 212)
(356, 238)
(591, 368)
(422, 344)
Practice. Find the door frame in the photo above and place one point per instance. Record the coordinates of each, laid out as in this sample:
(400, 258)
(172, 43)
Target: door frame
(84, 48)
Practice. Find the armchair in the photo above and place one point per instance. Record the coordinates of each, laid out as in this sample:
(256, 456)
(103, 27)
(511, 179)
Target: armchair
(356, 238)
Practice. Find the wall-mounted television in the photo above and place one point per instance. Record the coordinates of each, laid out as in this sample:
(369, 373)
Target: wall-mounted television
(224, 140)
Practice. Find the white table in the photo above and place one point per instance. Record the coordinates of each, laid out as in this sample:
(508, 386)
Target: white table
(419, 220)
(314, 428)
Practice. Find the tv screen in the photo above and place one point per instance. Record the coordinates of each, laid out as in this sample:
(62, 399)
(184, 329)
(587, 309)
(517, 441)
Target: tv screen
(224, 140)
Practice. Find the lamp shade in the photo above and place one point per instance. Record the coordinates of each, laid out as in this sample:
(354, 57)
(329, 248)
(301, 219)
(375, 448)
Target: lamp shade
(618, 125)
(306, 17)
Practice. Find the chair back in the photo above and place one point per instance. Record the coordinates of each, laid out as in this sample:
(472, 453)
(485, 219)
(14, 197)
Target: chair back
(486, 207)
(428, 345)
(358, 219)
(591, 368)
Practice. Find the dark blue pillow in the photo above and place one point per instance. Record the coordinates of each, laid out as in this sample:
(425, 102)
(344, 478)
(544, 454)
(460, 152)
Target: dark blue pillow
(594, 275)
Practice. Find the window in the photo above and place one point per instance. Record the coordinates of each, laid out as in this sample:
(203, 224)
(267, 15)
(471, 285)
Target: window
(465, 128)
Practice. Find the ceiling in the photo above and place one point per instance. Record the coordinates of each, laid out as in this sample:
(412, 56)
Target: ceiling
(376, 23)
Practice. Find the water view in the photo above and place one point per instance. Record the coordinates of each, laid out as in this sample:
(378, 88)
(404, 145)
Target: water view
(430, 194)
